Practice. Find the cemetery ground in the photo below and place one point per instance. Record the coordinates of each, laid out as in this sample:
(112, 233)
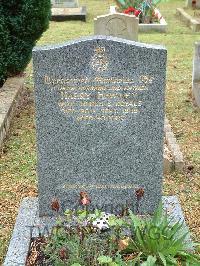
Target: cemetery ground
(18, 156)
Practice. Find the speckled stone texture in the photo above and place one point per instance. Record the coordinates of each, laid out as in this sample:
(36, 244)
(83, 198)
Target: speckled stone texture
(28, 225)
(100, 123)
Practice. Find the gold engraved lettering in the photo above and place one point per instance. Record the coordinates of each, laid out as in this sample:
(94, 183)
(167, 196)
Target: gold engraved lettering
(99, 61)
(47, 80)
(146, 79)
(100, 98)
(100, 50)
(99, 186)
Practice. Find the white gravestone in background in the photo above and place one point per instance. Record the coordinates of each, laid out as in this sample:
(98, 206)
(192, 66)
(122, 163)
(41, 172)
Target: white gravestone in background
(117, 25)
(65, 3)
(189, 3)
(67, 9)
(196, 74)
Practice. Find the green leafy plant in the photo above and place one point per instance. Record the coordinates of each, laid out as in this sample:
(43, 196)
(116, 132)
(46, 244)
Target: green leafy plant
(131, 240)
(118, 261)
(77, 246)
(160, 238)
(153, 241)
(21, 24)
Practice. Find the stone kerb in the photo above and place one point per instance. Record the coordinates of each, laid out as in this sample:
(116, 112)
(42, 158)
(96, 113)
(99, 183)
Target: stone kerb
(196, 75)
(191, 22)
(178, 160)
(10, 97)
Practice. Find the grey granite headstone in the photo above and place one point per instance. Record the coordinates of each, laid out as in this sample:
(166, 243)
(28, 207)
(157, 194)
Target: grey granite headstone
(196, 75)
(117, 25)
(100, 119)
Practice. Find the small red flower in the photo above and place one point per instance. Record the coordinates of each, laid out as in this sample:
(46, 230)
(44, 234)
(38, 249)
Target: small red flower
(55, 205)
(129, 10)
(137, 12)
(84, 198)
(139, 193)
(63, 253)
(125, 12)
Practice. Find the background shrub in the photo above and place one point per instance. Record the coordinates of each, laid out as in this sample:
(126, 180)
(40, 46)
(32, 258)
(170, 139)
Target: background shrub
(4, 47)
(22, 23)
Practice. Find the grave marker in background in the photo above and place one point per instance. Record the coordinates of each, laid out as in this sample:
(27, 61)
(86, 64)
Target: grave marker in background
(196, 75)
(191, 3)
(65, 3)
(117, 25)
(67, 10)
(100, 119)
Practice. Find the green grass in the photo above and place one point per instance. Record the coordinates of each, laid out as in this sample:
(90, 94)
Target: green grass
(18, 157)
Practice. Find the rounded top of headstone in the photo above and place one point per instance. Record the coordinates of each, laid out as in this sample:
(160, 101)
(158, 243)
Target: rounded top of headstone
(99, 38)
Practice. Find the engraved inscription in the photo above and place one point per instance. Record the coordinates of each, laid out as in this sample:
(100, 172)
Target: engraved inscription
(116, 27)
(100, 97)
(97, 186)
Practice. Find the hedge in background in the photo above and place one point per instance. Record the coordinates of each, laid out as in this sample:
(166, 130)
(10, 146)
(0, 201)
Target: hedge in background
(4, 48)
(22, 23)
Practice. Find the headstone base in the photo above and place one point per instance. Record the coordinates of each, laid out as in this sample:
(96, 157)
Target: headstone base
(29, 224)
(62, 14)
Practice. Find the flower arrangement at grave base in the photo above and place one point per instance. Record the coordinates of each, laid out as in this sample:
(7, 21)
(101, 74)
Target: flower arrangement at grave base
(83, 237)
(145, 10)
